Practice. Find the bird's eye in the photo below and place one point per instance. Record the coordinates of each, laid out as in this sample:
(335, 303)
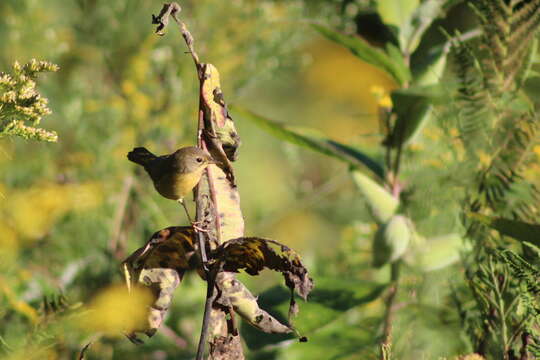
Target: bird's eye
(199, 160)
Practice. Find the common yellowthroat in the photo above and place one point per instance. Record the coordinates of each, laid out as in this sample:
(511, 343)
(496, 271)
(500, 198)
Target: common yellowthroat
(176, 174)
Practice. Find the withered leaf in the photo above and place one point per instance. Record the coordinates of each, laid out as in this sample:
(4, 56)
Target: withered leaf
(235, 294)
(217, 117)
(160, 265)
(220, 135)
(162, 20)
(254, 254)
(171, 248)
(226, 348)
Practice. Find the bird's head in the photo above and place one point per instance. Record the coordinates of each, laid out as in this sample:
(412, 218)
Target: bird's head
(190, 159)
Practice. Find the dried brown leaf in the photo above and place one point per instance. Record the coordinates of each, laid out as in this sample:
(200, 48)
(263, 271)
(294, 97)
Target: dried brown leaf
(234, 294)
(253, 254)
(226, 348)
(160, 266)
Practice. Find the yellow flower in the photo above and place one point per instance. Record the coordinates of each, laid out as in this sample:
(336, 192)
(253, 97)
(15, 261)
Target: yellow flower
(436, 163)
(484, 158)
(416, 147)
(115, 310)
(382, 96)
(128, 87)
(33, 219)
(18, 305)
(536, 150)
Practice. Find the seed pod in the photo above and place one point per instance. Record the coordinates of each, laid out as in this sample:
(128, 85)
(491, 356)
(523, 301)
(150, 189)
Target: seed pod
(438, 252)
(380, 202)
(391, 240)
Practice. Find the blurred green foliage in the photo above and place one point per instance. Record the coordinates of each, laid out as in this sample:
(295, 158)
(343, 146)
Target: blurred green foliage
(71, 211)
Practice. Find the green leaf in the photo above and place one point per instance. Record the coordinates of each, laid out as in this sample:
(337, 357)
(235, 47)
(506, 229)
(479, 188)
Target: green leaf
(533, 247)
(397, 56)
(320, 144)
(380, 202)
(417, 24)
(396, 12)
(378, 58)
(432, 69)
(528, 63)
(519, 230)
(437, 253)
(342, 339)
(410, 18)
(413, 113)
(330, 299)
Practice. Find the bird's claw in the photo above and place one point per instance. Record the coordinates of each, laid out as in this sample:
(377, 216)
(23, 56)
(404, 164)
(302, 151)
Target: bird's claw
(196, 227)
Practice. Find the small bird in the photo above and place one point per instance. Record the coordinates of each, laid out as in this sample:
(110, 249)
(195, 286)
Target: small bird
(176, 174)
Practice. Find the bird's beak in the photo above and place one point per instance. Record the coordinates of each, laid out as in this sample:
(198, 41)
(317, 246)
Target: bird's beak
(211, 161)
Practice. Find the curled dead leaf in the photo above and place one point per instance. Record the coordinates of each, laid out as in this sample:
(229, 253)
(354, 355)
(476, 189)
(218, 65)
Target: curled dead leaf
(234, 294)
(253, 254)
(160, 266)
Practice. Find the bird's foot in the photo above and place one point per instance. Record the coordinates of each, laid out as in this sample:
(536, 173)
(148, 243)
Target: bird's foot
(197, 226)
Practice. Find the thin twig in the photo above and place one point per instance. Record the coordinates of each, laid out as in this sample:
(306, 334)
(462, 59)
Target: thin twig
(83, 351)
(116, 232)
(389, 314)
(210, 297)
(162, 20)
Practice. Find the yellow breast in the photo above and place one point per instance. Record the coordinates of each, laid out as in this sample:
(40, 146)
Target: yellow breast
(175, 186)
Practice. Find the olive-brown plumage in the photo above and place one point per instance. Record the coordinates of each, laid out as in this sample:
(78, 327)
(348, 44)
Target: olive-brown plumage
(176, 174)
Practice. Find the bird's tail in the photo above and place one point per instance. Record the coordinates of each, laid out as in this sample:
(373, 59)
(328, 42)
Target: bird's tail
(141, 156)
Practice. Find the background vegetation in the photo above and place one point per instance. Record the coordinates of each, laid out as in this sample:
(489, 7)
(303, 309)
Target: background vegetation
(447, 282)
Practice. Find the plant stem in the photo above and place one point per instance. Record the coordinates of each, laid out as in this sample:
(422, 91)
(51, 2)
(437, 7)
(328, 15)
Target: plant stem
(500, 308)
(389, 313)
(210, 296)
(116, 241)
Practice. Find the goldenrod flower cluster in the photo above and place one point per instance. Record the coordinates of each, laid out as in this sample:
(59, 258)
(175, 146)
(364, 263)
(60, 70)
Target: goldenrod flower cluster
(21, 106)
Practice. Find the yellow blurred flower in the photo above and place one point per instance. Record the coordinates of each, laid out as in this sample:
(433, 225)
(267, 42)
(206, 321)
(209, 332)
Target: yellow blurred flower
(536, 150)
(382, 96)
(128, 87)
(115, 311)
(33, 353)
(32, 212)
(9, 244)
(416, 147)
(436, 163)
(454, 132)
(432, 133)
(17, 305)
(484, 158)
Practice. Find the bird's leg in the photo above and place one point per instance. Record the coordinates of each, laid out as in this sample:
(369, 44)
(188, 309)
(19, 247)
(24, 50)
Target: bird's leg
(197, 228)
(193, 223)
